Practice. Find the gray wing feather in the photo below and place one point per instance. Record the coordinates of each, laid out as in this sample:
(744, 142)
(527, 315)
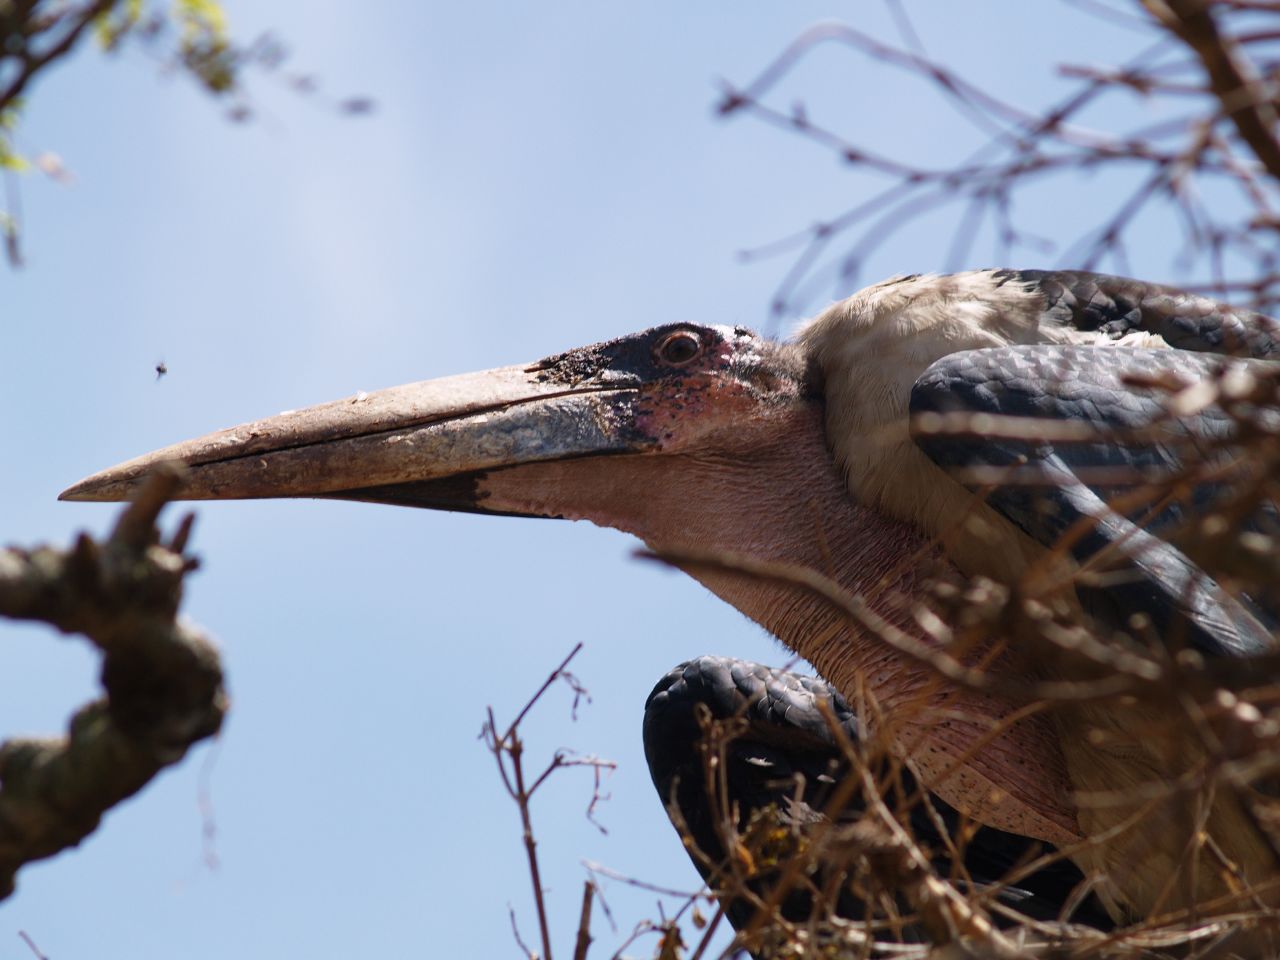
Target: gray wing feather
(1132, 443)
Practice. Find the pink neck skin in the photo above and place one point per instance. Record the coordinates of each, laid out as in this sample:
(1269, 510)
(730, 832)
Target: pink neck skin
(788, 504)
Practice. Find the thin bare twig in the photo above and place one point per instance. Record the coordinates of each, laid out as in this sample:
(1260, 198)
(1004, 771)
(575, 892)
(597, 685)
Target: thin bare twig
(26, 938)
(508, 750)
(1181, 155)
(583, 941)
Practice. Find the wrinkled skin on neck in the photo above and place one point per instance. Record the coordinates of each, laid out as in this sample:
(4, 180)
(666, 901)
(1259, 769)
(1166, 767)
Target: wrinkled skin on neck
(787, 503)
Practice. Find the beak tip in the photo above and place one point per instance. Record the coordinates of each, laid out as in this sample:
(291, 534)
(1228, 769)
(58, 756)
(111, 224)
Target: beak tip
(98, 489)
(81, 494)
(122, 482)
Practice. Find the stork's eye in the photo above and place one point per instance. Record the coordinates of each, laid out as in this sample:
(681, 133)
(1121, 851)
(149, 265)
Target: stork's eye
(679, 348)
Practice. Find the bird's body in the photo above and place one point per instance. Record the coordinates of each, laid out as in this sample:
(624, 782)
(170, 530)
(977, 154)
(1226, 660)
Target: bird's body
(908, 324)
(911, 323)
(838, 453)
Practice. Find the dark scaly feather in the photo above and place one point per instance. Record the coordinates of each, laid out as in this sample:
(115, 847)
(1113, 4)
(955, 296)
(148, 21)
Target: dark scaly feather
(785, 763)
(1115, 306)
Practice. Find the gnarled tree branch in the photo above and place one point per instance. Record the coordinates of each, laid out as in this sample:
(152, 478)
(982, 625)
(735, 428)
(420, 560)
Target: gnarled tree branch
(162, 678)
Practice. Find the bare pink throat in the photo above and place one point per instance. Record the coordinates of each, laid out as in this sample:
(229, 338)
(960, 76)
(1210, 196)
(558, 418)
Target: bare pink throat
(788, 504)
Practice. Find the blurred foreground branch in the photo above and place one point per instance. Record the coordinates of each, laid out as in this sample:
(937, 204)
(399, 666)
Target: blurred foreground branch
(34, 35)
(162, 677)
(190, 37)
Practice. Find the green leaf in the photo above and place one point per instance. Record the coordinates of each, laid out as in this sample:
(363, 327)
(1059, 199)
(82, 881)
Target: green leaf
(10, 159)
(9, 116)
(201, 17)
(111, 26)
(206, 50)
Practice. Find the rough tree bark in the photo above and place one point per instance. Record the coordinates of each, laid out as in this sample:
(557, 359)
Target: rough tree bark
(162, 677)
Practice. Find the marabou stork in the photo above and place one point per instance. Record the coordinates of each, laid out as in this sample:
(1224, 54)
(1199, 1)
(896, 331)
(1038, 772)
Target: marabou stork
(841, 452)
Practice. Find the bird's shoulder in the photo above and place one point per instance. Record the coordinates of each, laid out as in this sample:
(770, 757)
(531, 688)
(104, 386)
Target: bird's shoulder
(1115, 307)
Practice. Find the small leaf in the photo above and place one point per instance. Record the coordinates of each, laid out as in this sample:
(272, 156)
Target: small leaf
(9, 115)
(204, 15)
(13, 161)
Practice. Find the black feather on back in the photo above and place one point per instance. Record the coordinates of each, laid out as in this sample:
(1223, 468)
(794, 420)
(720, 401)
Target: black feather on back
(1115, 306)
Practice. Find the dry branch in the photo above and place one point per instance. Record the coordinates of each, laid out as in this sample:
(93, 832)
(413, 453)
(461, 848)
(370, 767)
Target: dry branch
(1212, 63)
(32, 38)
(508, 750)
(1246, 99)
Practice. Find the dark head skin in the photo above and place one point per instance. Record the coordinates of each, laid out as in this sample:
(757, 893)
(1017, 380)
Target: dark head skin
(672, 391)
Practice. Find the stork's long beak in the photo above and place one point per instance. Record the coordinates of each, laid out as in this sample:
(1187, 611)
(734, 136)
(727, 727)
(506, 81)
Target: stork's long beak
(395, 444)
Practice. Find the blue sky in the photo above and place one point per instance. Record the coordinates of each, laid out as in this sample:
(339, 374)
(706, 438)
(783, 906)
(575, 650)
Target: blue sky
(535, 177)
